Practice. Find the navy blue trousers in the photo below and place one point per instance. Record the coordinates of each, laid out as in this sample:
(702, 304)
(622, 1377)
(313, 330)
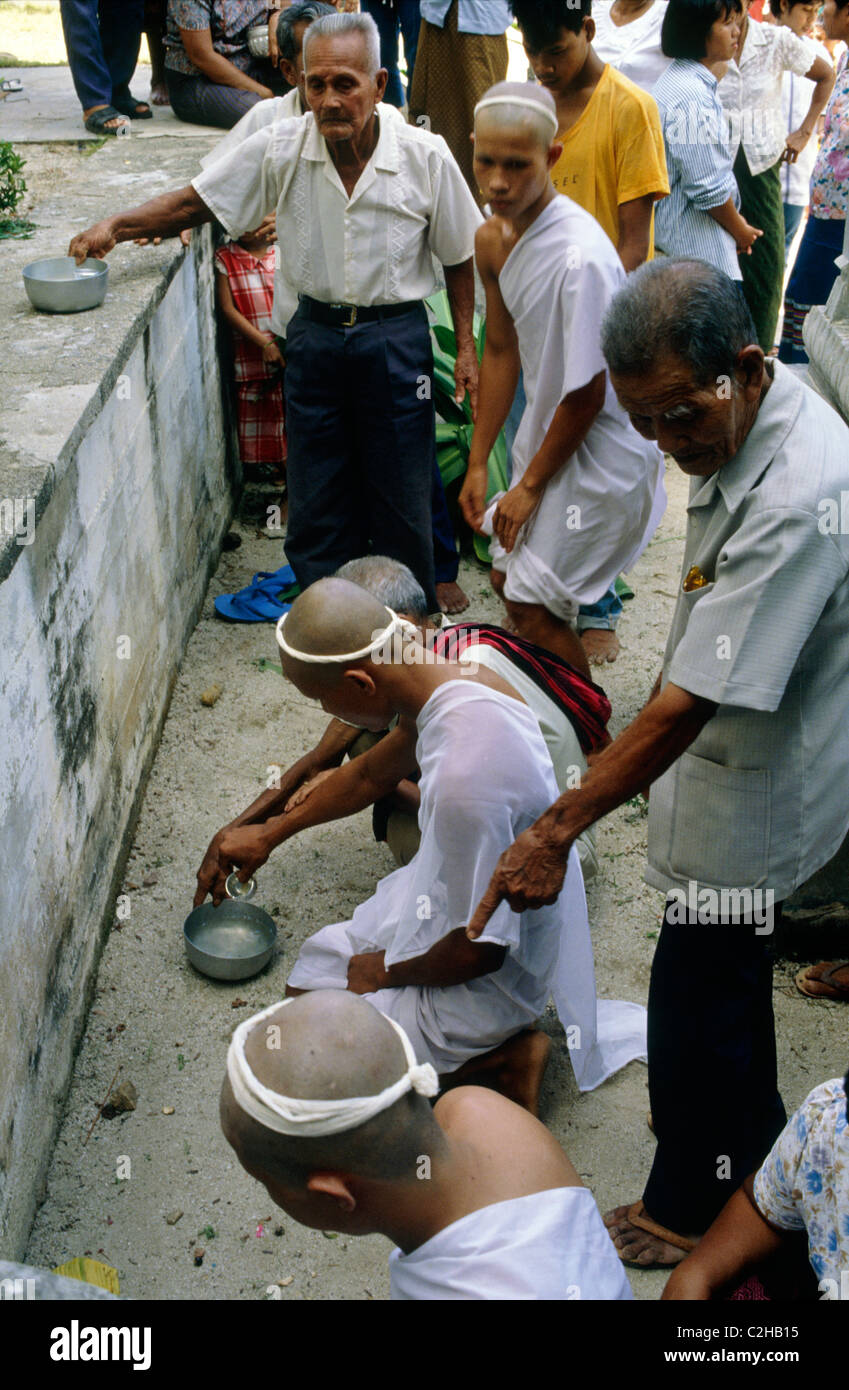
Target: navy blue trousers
(393, 17)
(103, 47)
(712, 1068)
(362, 445)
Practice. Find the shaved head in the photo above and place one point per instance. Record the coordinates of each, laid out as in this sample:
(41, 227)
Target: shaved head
(330, 1045)
(520, 108)
(335, 616)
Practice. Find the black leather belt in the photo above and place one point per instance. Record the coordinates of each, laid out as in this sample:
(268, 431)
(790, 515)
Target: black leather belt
(348, 315)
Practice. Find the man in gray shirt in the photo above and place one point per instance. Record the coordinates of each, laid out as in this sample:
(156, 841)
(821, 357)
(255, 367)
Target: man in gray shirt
(745, 737)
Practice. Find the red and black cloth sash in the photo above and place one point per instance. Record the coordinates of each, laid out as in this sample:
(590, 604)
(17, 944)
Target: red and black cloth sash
(582, 701)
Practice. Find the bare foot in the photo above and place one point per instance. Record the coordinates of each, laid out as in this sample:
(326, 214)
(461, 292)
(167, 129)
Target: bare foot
(636, 1246)
(451, 598)
(159, 94)
(515, 1069)
(601, 645)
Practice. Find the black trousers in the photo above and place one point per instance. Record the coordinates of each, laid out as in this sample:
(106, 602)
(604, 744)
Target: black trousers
(362, 445)
(713, 1080)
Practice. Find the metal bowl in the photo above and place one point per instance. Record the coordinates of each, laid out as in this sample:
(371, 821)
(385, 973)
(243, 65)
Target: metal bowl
(58, 285)
(230, 942)
(258, 40)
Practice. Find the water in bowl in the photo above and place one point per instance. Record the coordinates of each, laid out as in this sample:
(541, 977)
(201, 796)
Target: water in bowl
(230, 940)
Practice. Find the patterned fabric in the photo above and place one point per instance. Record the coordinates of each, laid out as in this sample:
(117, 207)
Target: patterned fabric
(453, 71)
(830, 179)
(228, 21)
(262, 431)
(763, 270)
(583, 702)
(751, 90)
(252, 287)
(699, 163)
(803, 1184)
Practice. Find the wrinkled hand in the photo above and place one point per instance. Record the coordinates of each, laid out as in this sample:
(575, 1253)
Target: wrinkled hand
(272, 354)
(528, 875)
(473, 496)
(240, 847)
(307, 788)
(367, 972)
(747, 239)
(466, 376)
(96, 243)
(517, 507)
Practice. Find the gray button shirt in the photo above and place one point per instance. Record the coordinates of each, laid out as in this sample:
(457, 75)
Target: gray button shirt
(761, 798)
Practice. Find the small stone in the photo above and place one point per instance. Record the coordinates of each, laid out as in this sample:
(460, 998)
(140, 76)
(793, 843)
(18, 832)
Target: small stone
(210, 696)
(278, 1230)
(284, 1283)
(124, 1097)
(168, 1110)
(149, 881)
(173, 1217)
(239, 1004)
(199, 1253)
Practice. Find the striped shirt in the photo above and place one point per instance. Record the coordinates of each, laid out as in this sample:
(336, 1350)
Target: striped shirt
(701, 176)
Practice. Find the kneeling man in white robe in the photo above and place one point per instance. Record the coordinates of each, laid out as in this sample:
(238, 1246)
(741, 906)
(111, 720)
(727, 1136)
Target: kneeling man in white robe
(486, 775)
(326, 1104)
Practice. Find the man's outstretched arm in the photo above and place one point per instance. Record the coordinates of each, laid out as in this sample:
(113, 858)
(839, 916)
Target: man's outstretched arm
(164, 216)
(530, 873)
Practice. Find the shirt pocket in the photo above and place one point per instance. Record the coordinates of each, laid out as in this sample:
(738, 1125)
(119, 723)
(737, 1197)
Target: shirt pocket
(720, 818)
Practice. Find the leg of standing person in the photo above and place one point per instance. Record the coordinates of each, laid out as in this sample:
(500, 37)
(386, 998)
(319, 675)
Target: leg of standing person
(453, 71)
(596, 624)
(154, 32)
(793, 214)
(327, 519)
(715, 1104)
(385, 16)
(763, 270)
(446, 557)
(121, 24)
(393, 438)
(89, 71)
(813, 276)
(410, 16)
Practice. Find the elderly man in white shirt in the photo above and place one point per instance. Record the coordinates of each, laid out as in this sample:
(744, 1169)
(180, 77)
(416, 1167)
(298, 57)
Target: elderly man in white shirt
(363, 206)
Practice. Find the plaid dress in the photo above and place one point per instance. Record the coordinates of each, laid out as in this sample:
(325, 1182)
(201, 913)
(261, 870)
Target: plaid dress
(259, 385)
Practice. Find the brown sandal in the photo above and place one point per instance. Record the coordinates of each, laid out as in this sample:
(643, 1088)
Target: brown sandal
(826, 975)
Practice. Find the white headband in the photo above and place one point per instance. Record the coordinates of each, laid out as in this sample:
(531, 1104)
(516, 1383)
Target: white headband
(397, 625)
(313, 1118)
(519, 101)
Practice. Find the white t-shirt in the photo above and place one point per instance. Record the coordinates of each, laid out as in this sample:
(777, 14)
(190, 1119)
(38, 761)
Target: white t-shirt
(750, 91)
(549, 1246)
(633, 49)
(796, 96)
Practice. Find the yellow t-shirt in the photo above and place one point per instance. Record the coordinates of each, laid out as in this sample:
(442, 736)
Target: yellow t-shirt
(613, 153)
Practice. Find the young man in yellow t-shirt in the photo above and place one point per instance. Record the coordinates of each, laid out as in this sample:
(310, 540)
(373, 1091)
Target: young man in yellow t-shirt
(613, 163)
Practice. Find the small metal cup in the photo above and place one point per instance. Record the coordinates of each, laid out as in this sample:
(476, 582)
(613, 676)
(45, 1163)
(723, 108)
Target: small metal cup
(234, 888)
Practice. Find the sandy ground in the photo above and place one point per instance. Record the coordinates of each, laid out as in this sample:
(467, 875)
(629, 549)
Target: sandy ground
(167, 1027)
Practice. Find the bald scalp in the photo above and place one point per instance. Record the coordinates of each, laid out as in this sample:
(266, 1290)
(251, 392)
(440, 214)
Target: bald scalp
(515, 117)
(335, 616)
(332, 1045)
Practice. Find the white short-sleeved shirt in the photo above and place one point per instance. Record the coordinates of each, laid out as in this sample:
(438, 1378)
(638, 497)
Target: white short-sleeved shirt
(750, 91)
(377, 247)
(262, 114)
(633, 49)
(796, 93)
(803, 1183)
(548, 1246)
(762, 628)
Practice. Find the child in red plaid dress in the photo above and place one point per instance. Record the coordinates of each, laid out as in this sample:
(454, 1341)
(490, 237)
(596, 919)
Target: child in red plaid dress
(245, 288)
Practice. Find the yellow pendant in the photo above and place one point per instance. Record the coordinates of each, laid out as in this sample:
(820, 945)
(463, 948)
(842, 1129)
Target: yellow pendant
(694, 580)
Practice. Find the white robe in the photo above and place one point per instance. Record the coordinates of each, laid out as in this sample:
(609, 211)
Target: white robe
(486, 775)
(600, 510)
(549, 1246)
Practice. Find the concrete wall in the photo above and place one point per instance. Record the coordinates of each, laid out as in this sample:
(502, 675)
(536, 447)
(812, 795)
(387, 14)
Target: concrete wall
(95, 612)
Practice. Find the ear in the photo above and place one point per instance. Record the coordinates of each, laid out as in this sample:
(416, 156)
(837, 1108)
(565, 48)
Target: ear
(362, 679)
(380, 83)
(333, 1185)
(589, 28)
(554, 154)
(750, 370)
(288, 71)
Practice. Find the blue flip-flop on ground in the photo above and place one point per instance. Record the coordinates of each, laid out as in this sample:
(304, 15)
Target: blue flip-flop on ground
(265, 599)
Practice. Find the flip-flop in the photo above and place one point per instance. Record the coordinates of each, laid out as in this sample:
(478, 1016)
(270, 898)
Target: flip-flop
(827, 978)
(136, 110)
(248, 607)
(637, 1217)
(96, 122)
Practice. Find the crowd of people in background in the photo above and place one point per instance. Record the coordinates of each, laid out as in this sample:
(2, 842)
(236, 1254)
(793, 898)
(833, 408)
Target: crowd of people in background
(629, 212)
